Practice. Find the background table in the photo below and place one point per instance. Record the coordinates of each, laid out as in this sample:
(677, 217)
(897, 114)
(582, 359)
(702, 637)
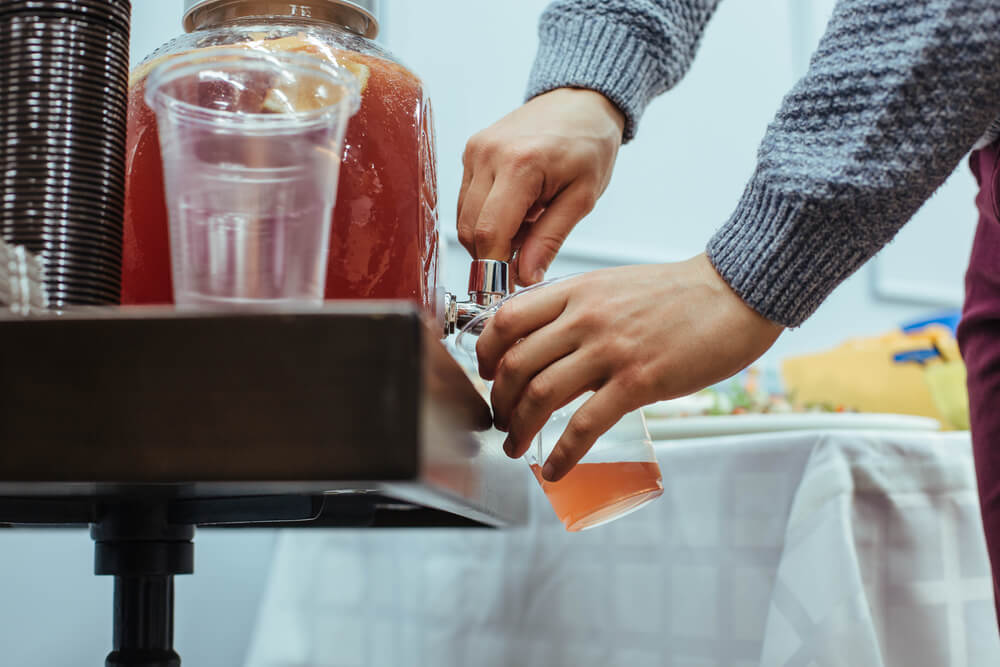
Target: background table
(837, 548)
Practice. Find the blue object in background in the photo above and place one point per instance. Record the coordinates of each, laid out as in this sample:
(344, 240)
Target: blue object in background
(916, 356)
(949, 319)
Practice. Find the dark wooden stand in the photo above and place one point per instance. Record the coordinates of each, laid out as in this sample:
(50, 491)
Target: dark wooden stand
(147, 423)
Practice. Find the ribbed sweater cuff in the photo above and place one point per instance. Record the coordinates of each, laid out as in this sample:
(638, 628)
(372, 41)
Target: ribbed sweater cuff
(600, 55)
(784, 256)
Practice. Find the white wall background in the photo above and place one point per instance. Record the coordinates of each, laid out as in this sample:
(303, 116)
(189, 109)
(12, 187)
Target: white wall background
(672, 187)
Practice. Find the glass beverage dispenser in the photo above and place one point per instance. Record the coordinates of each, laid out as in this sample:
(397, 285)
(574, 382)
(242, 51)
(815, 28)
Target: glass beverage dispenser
(384, 238)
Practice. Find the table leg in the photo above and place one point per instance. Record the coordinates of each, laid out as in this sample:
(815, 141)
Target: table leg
(144, 623)
(143, 550)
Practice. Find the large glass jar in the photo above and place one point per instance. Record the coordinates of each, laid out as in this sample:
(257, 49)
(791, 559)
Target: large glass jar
(384, 240)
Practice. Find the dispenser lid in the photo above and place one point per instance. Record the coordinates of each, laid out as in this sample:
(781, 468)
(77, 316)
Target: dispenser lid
(365, 12)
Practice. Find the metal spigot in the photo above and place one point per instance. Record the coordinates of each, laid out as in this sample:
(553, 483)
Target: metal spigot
(489, 283)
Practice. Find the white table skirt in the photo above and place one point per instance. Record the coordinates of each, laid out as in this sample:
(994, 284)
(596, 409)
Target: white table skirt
(826, 549)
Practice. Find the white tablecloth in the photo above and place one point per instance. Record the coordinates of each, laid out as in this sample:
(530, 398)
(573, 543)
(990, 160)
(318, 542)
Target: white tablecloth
(799, 549)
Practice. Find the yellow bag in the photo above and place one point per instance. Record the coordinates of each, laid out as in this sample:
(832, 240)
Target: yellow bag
(862, 374)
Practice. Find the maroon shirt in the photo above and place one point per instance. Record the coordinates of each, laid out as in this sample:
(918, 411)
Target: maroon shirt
(979, 338)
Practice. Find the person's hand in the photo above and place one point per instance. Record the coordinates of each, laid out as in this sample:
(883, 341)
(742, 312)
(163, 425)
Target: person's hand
(534, 174)
(633, 335)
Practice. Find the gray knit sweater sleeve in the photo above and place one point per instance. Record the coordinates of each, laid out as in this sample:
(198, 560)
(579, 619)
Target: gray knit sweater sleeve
(628, 50)
(896, 93)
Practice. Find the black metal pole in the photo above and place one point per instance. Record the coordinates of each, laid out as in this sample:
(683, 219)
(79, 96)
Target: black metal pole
(144, 542)
(144, 623)
(137, 543)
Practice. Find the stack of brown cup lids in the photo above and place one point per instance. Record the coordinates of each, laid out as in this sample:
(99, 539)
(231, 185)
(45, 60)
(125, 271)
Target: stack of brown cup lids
(63, 88)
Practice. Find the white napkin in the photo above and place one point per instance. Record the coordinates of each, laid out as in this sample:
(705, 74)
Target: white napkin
(21, 280)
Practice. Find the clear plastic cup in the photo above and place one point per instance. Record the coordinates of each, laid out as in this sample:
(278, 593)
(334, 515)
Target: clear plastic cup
(251, 145)
(617, 476)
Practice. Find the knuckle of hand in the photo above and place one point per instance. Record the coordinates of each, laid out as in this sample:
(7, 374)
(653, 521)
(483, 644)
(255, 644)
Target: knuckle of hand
(484, 234)
(586, 200)
(523, 158)
(483, 354)
(471, 152)
(510, 366)
(633, 379)
(579, 429)
(538, 392)
(487, 148)
(481, 149)
(503, 321)
(624, 350)
(520, 418)
(586, 320)
(550, 244)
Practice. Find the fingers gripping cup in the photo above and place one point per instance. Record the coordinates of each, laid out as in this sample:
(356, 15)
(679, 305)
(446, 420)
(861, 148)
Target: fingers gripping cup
(251, 145)
(617, 476)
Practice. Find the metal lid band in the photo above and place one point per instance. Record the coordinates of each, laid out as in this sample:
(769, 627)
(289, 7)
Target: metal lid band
(360, 16)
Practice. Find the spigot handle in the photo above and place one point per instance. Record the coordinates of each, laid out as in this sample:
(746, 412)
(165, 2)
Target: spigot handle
(489, 281)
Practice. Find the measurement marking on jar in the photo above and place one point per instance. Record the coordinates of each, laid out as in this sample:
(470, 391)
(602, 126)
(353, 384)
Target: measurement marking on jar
(300, 10)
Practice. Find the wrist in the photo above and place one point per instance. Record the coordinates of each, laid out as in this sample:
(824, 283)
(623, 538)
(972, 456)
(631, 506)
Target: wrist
(606, 107)
(595, 102)
(733, 301)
